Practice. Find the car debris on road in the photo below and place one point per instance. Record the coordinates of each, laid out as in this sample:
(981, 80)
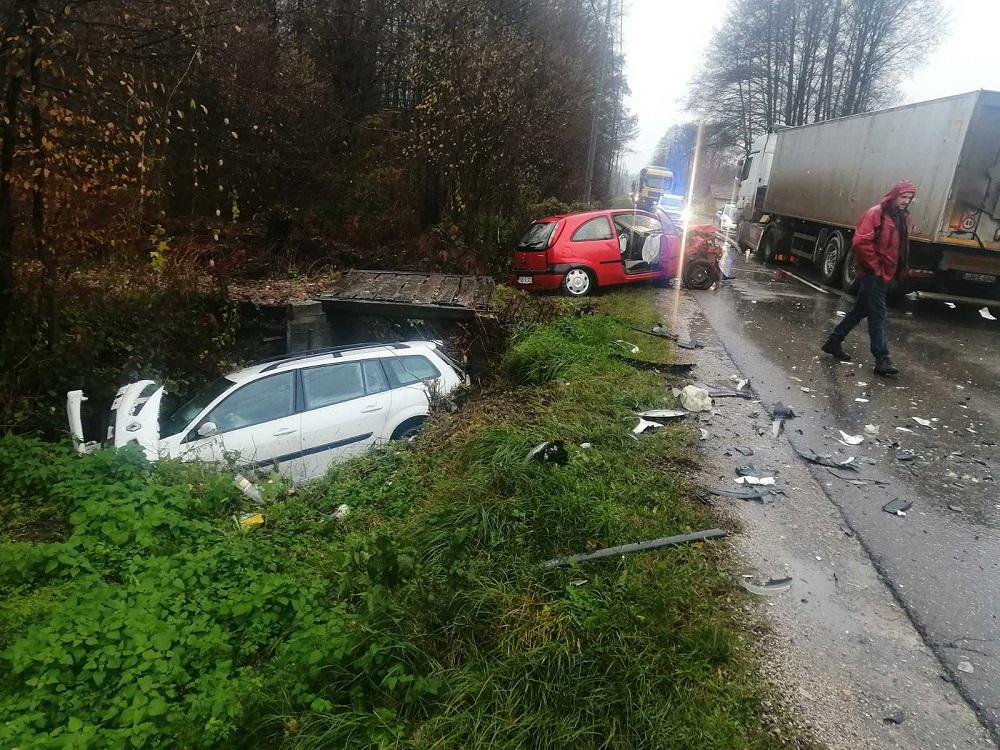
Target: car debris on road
(770, 587)
(694, 398)
(550, 452)
(826, 460)
(673, 368)
(851, 439)
(897, 507)
(625, 549)
(765, 496)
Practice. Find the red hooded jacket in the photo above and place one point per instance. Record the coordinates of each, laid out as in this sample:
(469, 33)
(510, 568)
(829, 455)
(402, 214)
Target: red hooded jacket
(876, 239)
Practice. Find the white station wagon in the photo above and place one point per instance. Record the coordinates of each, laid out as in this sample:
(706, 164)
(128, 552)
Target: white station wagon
(299, 412)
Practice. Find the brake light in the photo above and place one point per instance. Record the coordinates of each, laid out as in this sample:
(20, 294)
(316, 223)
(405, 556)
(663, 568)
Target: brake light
(556, 232)
(919, 273)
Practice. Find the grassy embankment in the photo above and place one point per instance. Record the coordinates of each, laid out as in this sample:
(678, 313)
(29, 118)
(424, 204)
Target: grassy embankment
(138, 616)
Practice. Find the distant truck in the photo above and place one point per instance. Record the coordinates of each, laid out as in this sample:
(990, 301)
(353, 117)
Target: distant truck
(803, 190)
(653, 182)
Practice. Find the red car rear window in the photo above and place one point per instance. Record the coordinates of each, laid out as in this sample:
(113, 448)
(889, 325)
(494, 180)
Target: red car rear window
(537, 237)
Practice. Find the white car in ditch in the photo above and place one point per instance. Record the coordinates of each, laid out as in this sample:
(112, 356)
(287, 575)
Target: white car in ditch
(299, 412)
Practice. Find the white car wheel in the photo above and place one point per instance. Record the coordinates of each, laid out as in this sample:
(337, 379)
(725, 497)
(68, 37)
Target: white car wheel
(578, 282)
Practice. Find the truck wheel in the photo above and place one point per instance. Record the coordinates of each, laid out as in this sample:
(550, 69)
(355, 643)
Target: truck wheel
(699, 274)
(578, 282)
(833, 256)
(849, 275)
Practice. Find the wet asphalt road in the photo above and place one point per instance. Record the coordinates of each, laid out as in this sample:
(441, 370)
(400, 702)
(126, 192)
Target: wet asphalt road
(942, 560)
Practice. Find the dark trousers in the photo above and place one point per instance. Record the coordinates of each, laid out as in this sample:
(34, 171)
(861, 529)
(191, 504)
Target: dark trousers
(869, 304)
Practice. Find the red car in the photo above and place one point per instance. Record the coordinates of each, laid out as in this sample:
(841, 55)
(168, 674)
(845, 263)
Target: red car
(580, 253)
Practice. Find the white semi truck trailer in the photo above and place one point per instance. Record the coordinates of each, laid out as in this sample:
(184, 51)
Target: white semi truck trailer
(803, 190)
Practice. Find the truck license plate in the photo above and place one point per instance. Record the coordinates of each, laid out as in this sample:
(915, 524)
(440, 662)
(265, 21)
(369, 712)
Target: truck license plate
(983, 278)
(524, 279)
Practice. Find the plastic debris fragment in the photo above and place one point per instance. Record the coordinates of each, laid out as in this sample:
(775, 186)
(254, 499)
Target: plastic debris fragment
(552, 452)
(694, 398)
(661, 414)
(673, 368)
(670, 541)
(632, 348)
(897, 507)
(851, 439)
(249, 520)
(755, 480)
(985, 312)
(812, 457)
(644, 424)
(248, 488)
(768, 588)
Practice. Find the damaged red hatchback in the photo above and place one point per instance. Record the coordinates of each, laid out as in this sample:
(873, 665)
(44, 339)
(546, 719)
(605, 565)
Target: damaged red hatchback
(580, 253)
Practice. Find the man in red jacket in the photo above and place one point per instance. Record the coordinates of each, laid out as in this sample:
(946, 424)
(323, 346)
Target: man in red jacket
(881, 242)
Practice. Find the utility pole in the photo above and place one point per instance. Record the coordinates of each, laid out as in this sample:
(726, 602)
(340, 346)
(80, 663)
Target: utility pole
(592, 148)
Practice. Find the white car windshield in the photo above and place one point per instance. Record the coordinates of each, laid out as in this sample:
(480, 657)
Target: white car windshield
(182, 417)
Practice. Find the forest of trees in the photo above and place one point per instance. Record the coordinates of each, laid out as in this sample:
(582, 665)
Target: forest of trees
(792, 62)
(126, 122)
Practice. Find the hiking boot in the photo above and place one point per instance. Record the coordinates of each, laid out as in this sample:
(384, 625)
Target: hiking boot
(884, 366)
(835, 349)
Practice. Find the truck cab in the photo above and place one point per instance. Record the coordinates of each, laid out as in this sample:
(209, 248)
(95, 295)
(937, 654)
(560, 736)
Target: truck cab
(755, 170)
(653, 183)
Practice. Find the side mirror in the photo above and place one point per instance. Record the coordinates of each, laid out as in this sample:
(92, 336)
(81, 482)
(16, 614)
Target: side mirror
(207, 429)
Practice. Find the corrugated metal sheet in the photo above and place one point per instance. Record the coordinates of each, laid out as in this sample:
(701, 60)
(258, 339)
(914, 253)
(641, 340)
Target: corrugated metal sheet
(831, 172)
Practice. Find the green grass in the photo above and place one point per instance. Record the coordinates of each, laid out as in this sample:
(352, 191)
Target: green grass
(424, 619)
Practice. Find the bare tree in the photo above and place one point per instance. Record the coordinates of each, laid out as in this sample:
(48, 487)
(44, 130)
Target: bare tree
(791, 62)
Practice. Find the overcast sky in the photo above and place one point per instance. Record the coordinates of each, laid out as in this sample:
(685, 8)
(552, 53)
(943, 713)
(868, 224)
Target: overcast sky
(664, 42)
